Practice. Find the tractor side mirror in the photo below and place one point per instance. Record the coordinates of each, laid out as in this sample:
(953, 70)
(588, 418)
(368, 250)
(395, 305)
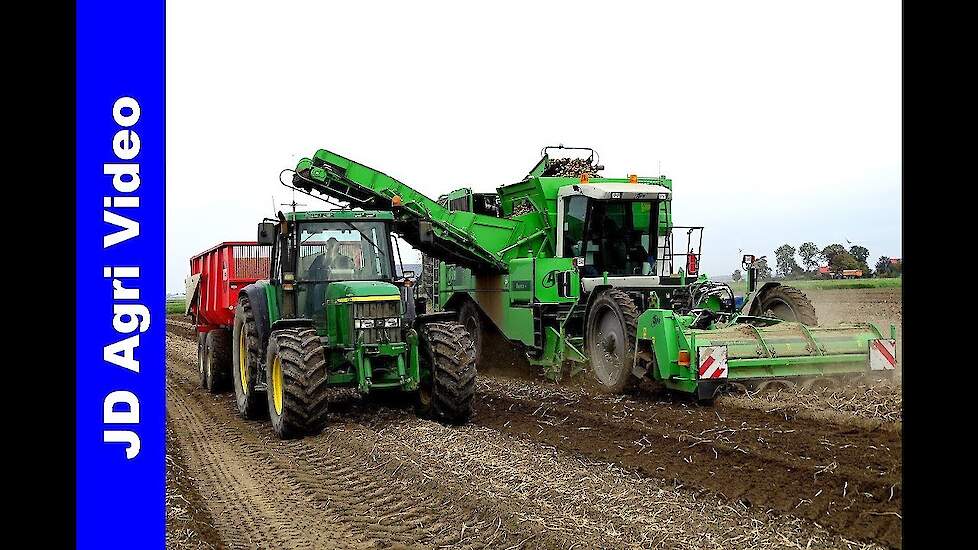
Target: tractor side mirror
(266, 233)
(426, 232)
(407, 274)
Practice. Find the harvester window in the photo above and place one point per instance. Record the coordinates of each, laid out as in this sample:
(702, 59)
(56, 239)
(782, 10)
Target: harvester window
(337, 251)
(619, 239)
(575, 212)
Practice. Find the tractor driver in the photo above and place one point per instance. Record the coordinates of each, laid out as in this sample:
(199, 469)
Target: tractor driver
(334, 259)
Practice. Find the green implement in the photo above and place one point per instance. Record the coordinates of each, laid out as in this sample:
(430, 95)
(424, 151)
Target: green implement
(590, 274)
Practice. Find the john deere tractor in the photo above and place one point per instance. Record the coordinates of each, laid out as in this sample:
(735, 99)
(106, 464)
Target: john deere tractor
(332, 313)
(589, 274)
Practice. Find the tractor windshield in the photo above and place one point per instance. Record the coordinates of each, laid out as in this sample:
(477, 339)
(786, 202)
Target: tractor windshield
(343, 251)
(616, 237)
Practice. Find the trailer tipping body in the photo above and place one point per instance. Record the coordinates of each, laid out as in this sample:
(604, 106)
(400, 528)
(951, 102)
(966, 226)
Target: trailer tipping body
(216, 277)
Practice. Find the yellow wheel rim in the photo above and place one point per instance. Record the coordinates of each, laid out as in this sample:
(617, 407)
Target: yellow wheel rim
(277, 383)
(243, 360)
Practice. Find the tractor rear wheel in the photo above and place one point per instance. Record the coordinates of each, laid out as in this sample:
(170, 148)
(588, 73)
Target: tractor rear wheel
(202, 358)
(788, 304)
(295, 368)
(244, 358)
(470, 317)
(610, 333)
(448, 372)
(217, 360)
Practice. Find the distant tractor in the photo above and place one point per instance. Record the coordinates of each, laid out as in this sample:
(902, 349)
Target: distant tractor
(329, 312)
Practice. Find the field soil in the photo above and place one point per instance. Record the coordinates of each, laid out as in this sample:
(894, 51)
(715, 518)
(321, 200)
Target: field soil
(544, 465)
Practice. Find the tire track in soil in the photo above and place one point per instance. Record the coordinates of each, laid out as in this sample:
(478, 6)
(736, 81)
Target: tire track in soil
(504, 516)
(316, 492)
(844, 478)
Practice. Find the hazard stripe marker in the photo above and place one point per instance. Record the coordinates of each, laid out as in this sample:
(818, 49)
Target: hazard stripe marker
(882, 354)
(713, 362)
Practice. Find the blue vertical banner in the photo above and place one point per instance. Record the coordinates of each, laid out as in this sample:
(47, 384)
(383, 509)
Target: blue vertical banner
(121, 316)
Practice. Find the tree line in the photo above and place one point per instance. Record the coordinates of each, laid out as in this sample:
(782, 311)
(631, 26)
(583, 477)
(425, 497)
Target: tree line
(835, 256)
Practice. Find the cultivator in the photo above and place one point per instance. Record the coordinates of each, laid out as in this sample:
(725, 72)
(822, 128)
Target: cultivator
(582, 272)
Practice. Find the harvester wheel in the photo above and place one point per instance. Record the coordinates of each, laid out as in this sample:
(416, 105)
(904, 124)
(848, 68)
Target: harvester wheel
(297, 382)
(610, 332)
(471, 318)
(244, 359)
(217, 360)
(788, 304)
(202, 358)
(448, 386)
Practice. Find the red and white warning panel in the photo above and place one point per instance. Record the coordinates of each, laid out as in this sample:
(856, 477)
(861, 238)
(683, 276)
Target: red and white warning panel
(882, 354)
(713, 362)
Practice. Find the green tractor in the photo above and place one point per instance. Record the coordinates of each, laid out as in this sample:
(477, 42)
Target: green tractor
(333, 313)
(589, 274)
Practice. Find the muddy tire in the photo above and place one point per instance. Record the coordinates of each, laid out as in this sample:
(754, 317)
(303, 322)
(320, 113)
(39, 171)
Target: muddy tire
(448, 386)
(295, 367)
(470, 317)
(788, 304)
(610, 330)
(245, 354)
(202, 358)
(217, 361)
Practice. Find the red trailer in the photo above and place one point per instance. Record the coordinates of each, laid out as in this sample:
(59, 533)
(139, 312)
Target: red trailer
(216, 277)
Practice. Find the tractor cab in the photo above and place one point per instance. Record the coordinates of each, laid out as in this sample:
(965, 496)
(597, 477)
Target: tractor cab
(316, 255)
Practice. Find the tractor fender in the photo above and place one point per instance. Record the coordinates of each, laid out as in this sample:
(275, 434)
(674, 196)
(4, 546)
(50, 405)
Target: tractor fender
(255, 293)
(436, 317)
(751, 302)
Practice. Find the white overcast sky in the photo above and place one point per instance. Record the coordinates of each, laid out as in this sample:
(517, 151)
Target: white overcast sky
(777, 121)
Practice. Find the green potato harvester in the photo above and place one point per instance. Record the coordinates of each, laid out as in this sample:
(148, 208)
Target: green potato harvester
(589, 274)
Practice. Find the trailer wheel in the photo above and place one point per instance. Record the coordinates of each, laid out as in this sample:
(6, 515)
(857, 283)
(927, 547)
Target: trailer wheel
(295, 368)
(202, 358)
(612, 324)
(217, 361)
(470, 317)
(788, 304)
(448, 372)
(244, 358)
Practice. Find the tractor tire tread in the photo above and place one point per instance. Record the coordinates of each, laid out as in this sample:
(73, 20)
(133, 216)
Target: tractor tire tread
(798, 300)
(306, 381)
(453, 369)
(252, 405)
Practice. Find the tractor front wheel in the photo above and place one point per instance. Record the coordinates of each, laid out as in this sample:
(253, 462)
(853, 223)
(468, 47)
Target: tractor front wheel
(244, 359)
(610, 333)
(788, 304)
(295, 367)
(448, 372)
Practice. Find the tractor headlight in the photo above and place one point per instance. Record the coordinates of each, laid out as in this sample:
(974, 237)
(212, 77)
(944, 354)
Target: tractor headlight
(392, 322)
(363, 323)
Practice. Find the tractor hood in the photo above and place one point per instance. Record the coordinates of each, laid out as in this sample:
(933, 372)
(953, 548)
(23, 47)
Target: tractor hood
(341, 292)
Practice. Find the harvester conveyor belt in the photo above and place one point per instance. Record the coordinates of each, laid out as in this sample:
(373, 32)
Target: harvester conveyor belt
(451, 235)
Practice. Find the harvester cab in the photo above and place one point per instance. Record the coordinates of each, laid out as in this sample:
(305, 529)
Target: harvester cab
(332, 313)
(586, 273)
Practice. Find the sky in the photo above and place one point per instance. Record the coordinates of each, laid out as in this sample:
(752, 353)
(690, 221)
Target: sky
(778, 122)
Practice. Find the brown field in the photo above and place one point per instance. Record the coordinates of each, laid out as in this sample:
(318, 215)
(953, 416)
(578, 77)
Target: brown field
(543, 465)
